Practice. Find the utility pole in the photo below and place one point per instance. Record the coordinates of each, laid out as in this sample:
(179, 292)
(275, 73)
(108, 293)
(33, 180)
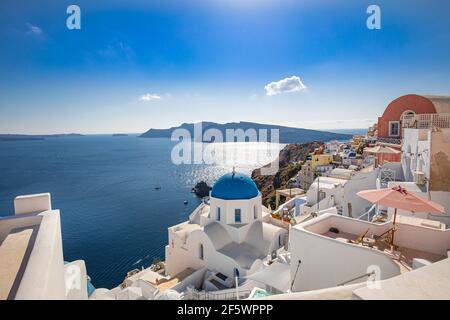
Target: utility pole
(318, 194)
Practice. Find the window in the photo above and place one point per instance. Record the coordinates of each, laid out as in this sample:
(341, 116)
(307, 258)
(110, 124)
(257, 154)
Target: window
(237, 215)
(255, 212)
(200, 251)
(394, 128)
(322, 195)
(218, 214)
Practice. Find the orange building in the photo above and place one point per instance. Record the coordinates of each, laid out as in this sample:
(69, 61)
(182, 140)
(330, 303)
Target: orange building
(407, 108)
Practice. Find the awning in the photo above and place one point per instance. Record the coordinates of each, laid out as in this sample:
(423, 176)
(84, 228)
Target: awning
(381, 149)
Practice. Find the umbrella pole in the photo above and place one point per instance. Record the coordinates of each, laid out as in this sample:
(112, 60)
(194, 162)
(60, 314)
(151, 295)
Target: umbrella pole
(393, 230)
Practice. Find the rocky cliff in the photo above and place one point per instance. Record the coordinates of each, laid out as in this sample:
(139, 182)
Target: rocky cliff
(290, 160)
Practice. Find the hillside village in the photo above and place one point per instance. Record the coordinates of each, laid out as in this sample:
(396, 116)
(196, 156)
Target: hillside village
(347, 215)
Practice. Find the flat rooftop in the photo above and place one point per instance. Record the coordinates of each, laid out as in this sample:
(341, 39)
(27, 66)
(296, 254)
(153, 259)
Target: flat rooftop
(164, 284)
(183, 230)
(18, 235)
(291, 192)
(328, 183)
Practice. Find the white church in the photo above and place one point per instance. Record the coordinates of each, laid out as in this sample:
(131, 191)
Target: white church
(228, 235)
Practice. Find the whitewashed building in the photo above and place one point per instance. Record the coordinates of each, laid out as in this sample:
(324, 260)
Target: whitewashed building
(338, 190)
(425, 164)
(32, 266)
(228, 234)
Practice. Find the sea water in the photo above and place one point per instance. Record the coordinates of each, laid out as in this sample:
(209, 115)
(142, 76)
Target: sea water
(113, 216)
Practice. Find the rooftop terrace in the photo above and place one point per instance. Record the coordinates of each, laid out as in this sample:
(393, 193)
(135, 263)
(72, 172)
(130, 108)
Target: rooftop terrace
(31, 256)
(415, 238)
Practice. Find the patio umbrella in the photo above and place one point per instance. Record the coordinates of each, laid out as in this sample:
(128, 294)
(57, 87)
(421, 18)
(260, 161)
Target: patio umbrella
(399, 198)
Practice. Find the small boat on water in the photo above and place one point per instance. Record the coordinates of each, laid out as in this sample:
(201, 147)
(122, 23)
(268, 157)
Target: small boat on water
(185, 202)
(158, 188)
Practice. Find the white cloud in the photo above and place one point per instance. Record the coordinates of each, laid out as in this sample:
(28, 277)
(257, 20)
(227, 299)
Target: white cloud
(34, 29)
(150, 97)
(292, 84)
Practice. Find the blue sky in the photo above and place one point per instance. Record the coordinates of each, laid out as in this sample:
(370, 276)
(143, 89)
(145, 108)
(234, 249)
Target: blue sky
(144, 64)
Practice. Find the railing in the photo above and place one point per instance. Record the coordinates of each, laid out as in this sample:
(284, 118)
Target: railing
(357, 278)
(389, 140)
(367, 213)
(288, 204)
(386, 176)
(426, 121)
(195, 215)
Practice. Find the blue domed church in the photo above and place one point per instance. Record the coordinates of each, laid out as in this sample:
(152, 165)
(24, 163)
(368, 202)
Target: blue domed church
(234, 186)
(229, 236)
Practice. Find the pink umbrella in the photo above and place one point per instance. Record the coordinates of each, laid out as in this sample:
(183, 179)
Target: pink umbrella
(399, 198)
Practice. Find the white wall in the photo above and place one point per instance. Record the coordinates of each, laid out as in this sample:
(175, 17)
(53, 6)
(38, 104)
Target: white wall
(443, 198)
(76, 280)
(33, 203)
(44, 276)
(359, 181)
(195, 279)
(424, 239)
(187, 256)
(415, 142)
(326, 262)
(423, 144)
(228, 206)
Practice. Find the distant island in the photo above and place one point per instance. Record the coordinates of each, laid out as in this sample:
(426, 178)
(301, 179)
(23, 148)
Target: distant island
(32, 137)
(119, 135)
(287, 134)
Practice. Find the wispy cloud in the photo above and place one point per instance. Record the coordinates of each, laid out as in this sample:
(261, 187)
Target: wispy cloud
(117, 51)
(150, 97)
(291, 84)
(34, 30)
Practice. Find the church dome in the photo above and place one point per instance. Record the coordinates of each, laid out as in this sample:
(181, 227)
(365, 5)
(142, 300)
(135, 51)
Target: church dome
(234, 186)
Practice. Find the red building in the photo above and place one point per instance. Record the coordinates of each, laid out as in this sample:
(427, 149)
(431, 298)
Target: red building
(408, 110)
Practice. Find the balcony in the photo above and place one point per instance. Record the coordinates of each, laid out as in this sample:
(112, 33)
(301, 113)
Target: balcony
(426, 121)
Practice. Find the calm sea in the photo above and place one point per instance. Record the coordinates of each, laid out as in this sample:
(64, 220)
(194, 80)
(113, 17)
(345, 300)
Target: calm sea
(112, 216)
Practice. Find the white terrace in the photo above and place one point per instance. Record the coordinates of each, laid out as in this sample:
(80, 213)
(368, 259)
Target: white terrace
(334, 250)
(31, 255)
